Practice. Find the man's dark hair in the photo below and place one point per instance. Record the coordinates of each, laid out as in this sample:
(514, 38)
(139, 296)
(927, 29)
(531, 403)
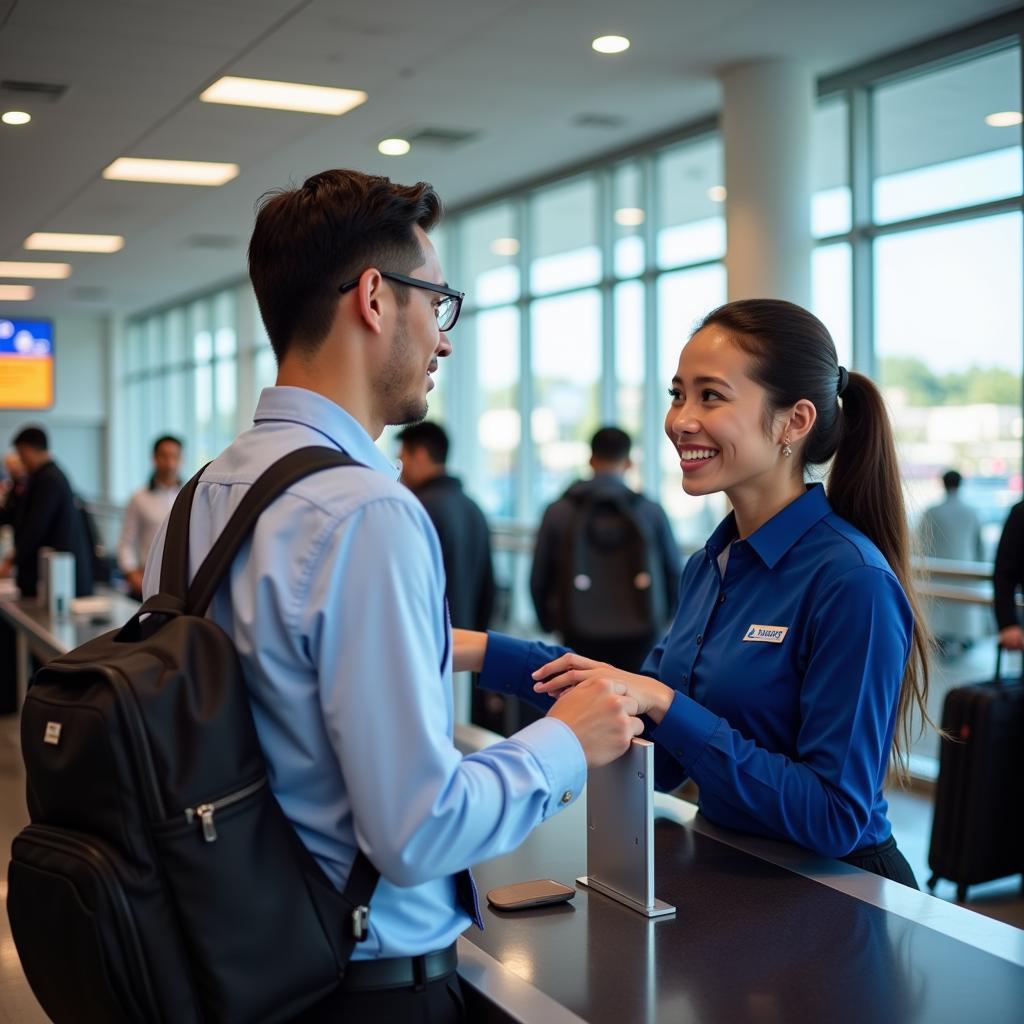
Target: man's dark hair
(166, 439)
(951, 480)
(32, 437)
(610, 444)
(309, 241)
(431, 436)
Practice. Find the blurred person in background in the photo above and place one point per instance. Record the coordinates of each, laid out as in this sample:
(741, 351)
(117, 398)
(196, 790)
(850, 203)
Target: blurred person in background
(148, 508)
(951, 529)
(48, 517)
(461, 526)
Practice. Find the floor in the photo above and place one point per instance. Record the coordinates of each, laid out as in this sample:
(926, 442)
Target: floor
(910, 814)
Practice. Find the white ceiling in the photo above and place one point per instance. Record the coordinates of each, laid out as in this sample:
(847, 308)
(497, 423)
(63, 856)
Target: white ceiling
(516, 72)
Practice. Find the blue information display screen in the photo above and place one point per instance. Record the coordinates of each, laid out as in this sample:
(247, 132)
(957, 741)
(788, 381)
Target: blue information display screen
(26, 364)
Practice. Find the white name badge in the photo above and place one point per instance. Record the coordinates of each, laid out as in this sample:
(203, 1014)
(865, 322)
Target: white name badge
(765, 634)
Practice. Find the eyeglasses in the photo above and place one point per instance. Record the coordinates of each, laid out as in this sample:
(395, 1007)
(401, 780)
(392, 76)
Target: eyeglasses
(447, 310)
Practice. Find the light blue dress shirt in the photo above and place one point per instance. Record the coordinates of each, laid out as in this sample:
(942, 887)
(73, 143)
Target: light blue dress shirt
(337, 610)
(787, 670)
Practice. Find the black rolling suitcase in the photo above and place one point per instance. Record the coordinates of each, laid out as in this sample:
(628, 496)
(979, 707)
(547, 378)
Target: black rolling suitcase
(978, 828)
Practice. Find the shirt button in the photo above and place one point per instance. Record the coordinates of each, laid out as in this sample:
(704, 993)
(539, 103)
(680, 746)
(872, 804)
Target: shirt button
(700, 638)
(721, 598)
(567, 796)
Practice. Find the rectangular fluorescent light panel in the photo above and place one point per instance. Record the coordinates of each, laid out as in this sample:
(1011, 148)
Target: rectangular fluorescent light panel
(256, 92)
(170, 172)
(16, 292)
(25, 268)
(51, 241)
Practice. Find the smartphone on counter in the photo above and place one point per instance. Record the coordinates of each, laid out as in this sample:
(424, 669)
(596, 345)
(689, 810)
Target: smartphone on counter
(522, 895)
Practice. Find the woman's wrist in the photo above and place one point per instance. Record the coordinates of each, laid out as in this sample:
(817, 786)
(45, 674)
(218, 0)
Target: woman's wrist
(661, 697)
(470, 648)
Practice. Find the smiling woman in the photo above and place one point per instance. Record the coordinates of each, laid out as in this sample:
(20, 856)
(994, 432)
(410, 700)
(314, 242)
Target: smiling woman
(788, 676)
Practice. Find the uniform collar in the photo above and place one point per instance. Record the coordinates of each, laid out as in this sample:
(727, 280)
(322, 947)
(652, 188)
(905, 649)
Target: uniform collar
(772, 540)
(300, 405)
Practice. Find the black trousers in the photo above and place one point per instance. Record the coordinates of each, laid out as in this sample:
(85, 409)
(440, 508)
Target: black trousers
(885, 860)
(436, 1002)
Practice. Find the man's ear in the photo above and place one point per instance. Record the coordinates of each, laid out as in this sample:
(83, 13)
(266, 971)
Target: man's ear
(369, 293)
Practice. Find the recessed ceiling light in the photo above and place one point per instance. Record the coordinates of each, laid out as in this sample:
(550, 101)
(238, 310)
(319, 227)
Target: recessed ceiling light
(505, 246)
(629, 216)
(717, 193)
(16, 292)
(258, 92)
(16, 117)
(1004, 119)
(170, 172)
(27, 268)
(393, 147)
(50, 241)
(610, 44)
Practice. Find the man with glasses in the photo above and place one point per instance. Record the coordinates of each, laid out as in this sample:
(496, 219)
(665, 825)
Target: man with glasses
(337, 606)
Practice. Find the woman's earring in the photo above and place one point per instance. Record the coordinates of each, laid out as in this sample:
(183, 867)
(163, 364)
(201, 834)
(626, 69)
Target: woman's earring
(787, 448)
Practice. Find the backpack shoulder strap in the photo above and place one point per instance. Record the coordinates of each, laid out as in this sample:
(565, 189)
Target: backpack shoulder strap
(174, 565)
(271, 484)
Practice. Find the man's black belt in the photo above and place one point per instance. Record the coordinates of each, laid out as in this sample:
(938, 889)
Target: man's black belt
(400, 971)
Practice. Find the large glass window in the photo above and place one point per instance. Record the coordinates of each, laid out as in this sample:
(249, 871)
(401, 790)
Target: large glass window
(940, 142)
(830, 169)
(489, 250)
(493, 407)
(948, 335)
(566, 363)
(691, 191)
(832, 295)
(563, 231)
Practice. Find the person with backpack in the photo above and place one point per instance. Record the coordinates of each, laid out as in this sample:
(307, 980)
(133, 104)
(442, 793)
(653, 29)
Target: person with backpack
(606, 566)
(788, 680)
(322, 584)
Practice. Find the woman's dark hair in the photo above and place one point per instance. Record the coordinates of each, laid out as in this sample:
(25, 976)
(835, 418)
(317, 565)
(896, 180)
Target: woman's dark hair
(308, 241)
(793, 357)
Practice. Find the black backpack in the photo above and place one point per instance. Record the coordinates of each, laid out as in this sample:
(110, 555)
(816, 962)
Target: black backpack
(160, 881)
(611, 586)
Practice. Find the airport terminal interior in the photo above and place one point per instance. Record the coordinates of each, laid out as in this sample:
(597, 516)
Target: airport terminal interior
(610, 174)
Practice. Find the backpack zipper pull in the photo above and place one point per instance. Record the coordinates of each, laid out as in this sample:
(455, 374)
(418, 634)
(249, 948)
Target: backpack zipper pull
(204, 812)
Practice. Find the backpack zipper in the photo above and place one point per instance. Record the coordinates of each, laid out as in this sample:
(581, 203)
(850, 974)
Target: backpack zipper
(205, 812)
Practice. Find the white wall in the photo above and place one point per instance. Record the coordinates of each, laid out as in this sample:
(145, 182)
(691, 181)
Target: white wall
(78, 422)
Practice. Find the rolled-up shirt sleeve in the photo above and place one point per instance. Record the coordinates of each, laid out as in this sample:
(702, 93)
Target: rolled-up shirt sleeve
(421, 810)
(822, 796)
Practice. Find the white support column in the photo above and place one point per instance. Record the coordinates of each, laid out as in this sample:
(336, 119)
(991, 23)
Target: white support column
(766, 129)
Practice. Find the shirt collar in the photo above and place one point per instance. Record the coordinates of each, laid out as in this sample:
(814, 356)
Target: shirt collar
(313, 410)
(772, 540)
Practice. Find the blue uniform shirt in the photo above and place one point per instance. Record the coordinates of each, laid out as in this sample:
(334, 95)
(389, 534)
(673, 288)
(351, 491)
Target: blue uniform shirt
(788, 672)
(336, 607)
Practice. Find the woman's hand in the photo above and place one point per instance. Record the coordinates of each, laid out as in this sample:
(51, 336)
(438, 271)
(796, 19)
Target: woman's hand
(653, 698)
(469, 648)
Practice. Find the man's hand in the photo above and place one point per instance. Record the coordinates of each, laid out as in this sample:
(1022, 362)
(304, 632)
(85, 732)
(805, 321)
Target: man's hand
(134, 579)
(1012, 638)
(469, 648)
(603, 718)
(652, 697)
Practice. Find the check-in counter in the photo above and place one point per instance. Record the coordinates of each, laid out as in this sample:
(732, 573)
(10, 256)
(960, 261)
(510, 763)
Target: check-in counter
(39, 633)
(763, 932)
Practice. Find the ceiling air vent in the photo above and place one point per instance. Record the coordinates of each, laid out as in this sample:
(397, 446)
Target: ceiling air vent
(445, 138)
(89, 293)
(607, 121)
(47, 92)
(221, 242)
